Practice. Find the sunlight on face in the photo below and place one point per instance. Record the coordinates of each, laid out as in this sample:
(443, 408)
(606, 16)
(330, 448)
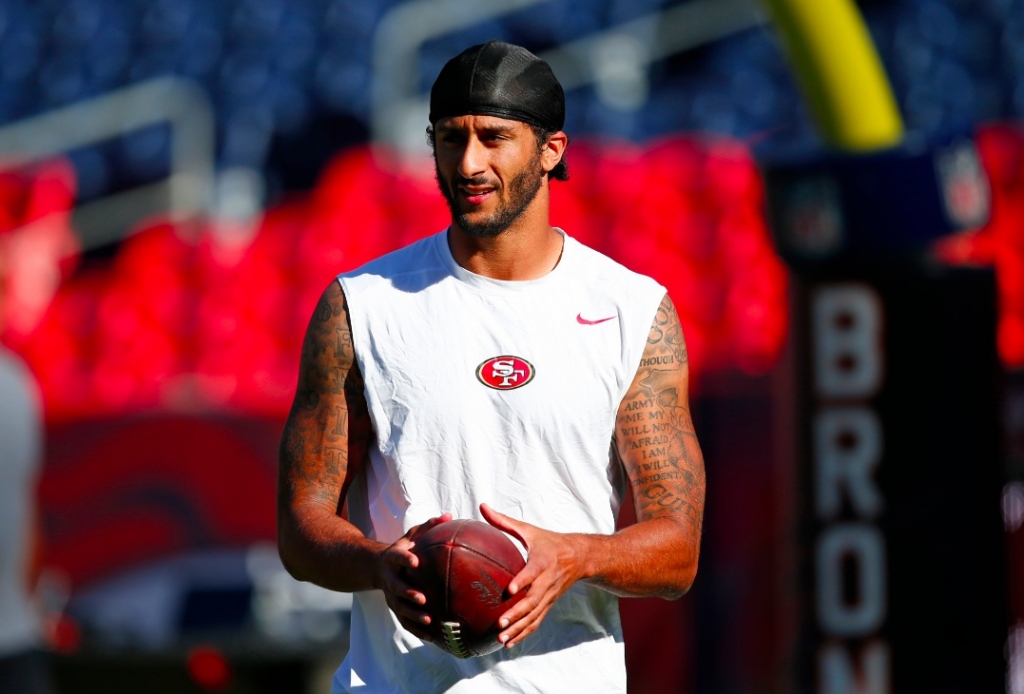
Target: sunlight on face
(488, 170)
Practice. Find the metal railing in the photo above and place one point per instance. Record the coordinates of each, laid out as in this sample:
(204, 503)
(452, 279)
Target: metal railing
(615, 60)
(181, 104)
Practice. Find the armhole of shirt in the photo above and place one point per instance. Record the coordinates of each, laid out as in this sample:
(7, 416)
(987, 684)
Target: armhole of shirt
(642, 333)
(352, 309)
(357, 494)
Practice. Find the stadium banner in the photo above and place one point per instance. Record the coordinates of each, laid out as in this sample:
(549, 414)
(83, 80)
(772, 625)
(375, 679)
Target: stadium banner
(901, 565)
(895, 423)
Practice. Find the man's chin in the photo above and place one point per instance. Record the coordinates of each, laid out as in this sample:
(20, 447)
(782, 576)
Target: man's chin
(485, 227)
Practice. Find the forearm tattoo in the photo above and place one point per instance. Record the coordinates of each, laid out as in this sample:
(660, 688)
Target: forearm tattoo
(655, 436)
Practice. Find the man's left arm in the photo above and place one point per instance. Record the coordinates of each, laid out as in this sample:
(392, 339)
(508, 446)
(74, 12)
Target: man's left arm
(657, 556)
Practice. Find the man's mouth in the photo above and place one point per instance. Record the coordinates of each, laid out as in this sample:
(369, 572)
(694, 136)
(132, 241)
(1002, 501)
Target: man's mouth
(475, 195)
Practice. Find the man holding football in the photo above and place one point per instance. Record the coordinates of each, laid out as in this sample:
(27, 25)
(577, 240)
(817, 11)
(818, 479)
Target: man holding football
(502, 371)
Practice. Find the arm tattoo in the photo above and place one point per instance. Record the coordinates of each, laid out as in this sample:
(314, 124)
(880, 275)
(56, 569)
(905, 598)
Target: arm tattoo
(667, 336)
(328, 431)
(654, 433)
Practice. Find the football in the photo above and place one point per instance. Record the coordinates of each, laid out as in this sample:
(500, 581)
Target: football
(464, 569)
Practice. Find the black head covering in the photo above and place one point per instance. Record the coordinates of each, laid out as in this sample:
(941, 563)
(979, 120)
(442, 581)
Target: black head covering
(499, 79)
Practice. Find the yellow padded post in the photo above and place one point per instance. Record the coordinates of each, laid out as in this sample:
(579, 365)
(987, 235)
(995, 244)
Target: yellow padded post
(840, 72)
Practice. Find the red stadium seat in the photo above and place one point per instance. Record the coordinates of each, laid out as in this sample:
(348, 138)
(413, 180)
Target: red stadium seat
(222, 320)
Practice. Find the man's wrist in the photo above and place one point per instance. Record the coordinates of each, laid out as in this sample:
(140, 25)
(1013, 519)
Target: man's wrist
(587, 550)
(379, 567)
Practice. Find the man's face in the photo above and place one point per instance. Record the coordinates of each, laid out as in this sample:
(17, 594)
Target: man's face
(488, 169)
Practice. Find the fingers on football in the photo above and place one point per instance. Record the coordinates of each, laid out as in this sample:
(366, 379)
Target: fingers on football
(415, 625)
(406, 604)
(398, 586)
(417, 531)
(525, 578)
(524, 619)
(398, 557)
(502, 522)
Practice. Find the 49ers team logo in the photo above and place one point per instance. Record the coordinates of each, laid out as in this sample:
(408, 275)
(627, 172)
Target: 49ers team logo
(505, 372)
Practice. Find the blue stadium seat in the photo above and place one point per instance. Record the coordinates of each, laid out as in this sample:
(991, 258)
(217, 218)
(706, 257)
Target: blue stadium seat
(108, 56)
(62, 79)
(150, 64)
(665, 112)
(353, 17)
(144, 155)
(939, 23)
(295, 47)
(255, 21)
(435, 53)
(20, 54)
(342, 85)
(76, 23)
(291, 106)
(92, 172)
(201, 52)
(555, 22)
(755, 96)
(712, 110)
(17, 100)
(244, 72)
(304, 61)
(245, 135)
(624, 10)
(980, 45)
(166, 21)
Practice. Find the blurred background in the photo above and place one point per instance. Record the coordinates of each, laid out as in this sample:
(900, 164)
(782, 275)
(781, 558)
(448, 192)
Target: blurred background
(180, 180)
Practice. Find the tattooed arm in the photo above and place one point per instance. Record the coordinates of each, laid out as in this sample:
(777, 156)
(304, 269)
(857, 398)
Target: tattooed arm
(658, 448)
(323, 447)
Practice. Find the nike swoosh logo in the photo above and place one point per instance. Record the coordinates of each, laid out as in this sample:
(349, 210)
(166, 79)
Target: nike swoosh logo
(583, 321)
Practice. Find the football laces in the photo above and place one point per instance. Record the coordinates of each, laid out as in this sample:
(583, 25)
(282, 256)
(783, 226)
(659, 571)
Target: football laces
(452, 633)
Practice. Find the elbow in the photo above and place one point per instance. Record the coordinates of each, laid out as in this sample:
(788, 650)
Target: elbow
(682, 580)
(289, 553)
(680, 555)
(289, 563)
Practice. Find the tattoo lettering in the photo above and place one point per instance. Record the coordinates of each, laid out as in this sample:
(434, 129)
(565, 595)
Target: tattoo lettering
(634, 405)
(654, 432)
(646, 481)
(660, 494)
(340, 421)
(655, 361)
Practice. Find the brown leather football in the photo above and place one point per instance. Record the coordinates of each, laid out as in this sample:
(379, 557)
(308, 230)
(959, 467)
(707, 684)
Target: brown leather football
(464, 569)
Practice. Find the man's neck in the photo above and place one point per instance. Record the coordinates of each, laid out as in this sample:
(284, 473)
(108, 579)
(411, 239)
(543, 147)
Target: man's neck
(520, 252)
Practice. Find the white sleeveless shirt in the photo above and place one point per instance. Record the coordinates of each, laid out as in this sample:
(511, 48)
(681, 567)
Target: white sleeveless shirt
(503, 392)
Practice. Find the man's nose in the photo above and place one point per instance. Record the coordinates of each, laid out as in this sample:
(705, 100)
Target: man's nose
(472, 163)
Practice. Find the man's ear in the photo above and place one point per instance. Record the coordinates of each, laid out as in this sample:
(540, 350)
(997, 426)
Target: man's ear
(553, 149)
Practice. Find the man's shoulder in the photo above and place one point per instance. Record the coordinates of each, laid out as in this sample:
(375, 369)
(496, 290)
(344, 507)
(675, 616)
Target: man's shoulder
(397, 268)
(604, 268)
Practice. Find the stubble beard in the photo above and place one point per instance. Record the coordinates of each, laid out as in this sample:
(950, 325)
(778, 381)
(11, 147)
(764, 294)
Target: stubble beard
(521, 191)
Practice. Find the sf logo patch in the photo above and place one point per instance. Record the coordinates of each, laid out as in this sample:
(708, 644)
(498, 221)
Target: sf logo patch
(505, 372)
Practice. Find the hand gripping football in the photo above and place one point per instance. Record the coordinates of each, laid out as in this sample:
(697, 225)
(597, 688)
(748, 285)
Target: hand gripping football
(464, 569)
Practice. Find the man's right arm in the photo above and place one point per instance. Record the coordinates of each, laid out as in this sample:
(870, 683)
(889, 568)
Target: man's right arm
(323, 447)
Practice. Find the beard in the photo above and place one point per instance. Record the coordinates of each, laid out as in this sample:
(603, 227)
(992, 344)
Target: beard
(521, 191)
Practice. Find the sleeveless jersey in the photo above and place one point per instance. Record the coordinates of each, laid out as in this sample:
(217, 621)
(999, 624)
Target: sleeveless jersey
(504, 392)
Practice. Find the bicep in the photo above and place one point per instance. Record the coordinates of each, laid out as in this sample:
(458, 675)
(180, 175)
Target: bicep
(654, 436)
(327, 432)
